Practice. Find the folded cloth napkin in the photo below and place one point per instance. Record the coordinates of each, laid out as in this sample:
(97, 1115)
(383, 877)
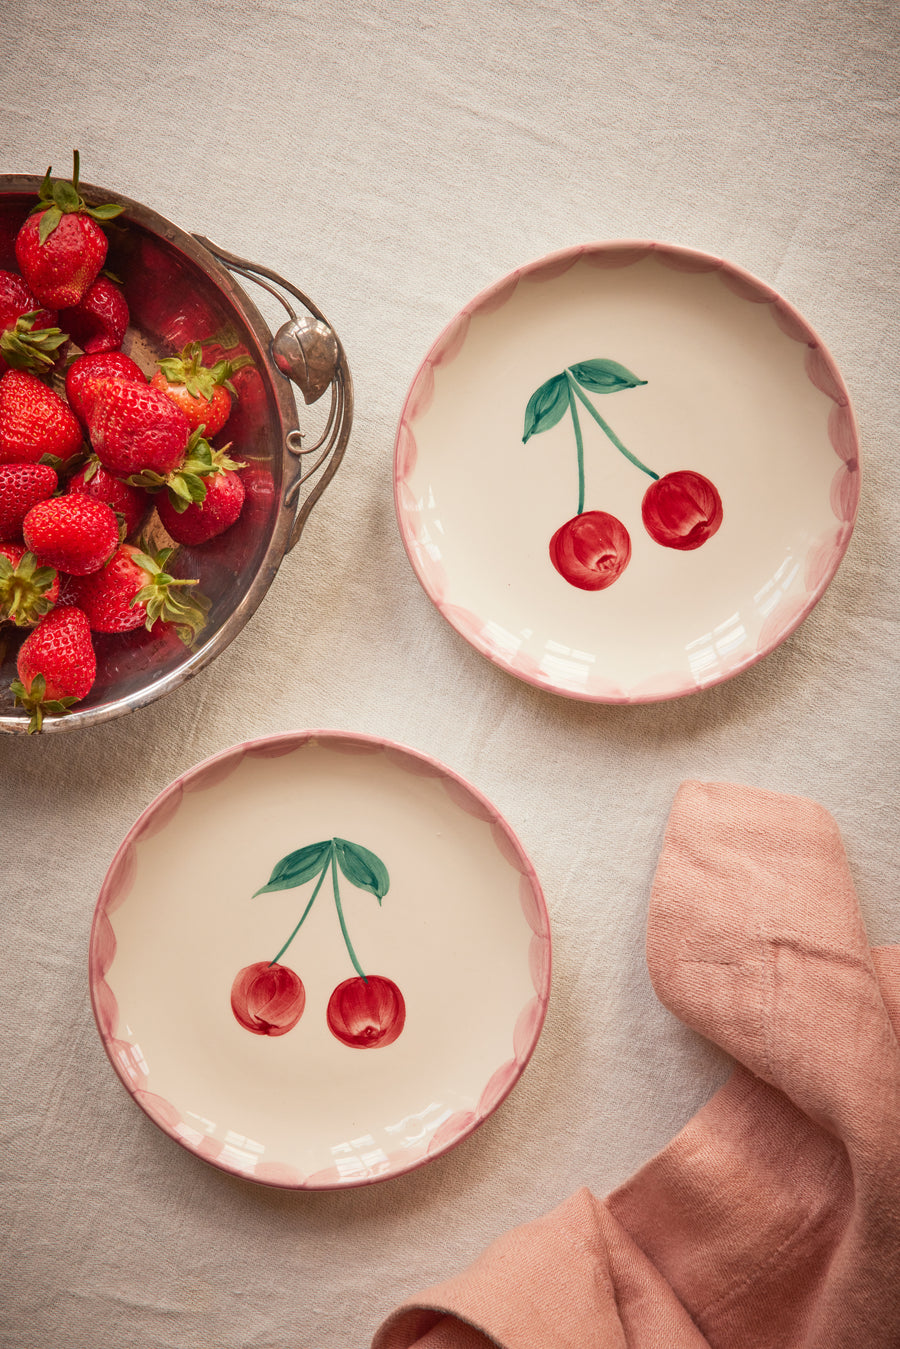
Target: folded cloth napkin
(772, 1220)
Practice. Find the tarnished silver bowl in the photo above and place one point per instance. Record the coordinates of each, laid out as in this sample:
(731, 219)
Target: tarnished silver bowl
(181, 288)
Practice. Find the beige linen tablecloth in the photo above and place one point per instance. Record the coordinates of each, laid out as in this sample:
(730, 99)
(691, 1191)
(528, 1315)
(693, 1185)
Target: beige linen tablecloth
(392, 160)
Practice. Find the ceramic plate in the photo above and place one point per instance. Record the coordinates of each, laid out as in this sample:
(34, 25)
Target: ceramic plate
(319, 960)
(626, 472)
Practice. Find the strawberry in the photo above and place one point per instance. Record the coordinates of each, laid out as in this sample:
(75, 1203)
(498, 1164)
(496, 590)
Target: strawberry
(134, 590)
(203, 393)
(21, 487)
(74, 533)
(85, 373)
(27, 591)
(61, 248)
(99, 321)
(35, 423)
(56, 665)
(199, 521)
(29, 337)
(135, 429)
(131, 504)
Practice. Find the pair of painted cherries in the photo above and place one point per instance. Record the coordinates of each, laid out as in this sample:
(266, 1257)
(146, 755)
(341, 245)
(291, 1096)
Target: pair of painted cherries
(680, 510)
(365, 1012)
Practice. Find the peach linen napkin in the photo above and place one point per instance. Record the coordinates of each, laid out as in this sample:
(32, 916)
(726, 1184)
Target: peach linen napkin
(772, 1220)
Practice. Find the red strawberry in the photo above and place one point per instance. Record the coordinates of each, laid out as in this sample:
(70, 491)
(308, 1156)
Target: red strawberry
(202, 392)
(27, 591)
(134, 590)
(199, 521)
(56, 665)
(99, 321)
(61, 247)
(74, 533)
(132, 504)
(35, 422)
(21, 487)
(85, 373)
(29, 337)
(135, 429)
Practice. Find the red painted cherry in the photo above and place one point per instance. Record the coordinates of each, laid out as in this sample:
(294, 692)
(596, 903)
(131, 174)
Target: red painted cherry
(591, 550)
(366, 1013)
(681, 510)
(268, 999)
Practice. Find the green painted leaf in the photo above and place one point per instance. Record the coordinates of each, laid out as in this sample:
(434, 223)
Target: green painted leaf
(603, 376)
(298, 867)
(362, 868)
(546, 406)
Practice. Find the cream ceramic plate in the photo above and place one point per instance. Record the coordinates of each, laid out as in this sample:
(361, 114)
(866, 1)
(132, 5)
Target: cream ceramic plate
(319, 960)
(626, 472)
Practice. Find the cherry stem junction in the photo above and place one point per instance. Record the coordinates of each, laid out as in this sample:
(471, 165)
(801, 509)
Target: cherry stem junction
(330, 862)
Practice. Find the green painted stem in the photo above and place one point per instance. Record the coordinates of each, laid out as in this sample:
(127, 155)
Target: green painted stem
(608, 429)
(312, 900)
(579, 441)
(340, 913)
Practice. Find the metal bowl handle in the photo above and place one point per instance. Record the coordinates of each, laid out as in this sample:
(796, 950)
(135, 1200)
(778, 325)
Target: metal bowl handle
(305, 350)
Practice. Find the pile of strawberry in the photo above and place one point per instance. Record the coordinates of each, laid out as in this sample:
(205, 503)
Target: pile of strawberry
(88, 447)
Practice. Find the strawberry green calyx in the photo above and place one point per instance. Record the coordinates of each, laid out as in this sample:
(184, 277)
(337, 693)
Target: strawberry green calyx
(25, 347)
(25, 590)
(186, 484)
(201, 381)
(186, 481)
(60, 465)
(60, 198)
(35, 701)
(186, 613)
(219, 462)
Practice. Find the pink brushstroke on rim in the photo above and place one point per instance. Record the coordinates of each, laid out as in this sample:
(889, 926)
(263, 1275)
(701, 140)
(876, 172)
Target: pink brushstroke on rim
(821, 370)
(126, 1059)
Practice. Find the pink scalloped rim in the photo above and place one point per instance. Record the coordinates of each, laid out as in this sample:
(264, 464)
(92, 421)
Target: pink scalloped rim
(127, 1061)
(824, 557)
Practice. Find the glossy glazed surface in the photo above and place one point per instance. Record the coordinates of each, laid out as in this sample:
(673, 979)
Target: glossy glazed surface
(320, 960)
(660, 387)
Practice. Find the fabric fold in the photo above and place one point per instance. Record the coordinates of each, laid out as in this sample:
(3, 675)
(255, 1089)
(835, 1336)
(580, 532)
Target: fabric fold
(772, 1220)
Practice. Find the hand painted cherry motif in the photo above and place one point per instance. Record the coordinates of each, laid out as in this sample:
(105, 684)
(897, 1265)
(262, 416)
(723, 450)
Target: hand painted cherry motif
(366, 1013)
(681, 510)
(591, 550)
(268, 999)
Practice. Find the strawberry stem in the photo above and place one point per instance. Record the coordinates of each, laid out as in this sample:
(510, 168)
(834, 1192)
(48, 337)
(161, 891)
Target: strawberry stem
(25, 590)
(59, 198)
(35, 701)
(188, 615)
(25, 347)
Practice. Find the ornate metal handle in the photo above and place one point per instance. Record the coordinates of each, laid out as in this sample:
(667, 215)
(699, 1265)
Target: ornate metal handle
(305, 350)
